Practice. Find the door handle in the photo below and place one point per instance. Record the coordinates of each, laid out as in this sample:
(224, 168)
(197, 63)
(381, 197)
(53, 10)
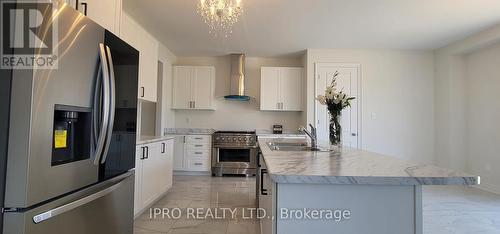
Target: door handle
(75, 204)
(112, 98)
(105, 92)
(84, 4)
(143, 155)
(262, 190)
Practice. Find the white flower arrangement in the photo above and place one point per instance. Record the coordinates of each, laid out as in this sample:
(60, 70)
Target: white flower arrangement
(334, 99)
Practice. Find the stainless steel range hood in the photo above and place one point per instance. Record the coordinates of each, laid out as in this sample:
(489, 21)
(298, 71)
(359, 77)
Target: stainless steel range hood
(237, 79)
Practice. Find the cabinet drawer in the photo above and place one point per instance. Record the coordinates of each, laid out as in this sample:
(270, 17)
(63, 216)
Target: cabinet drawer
(198, 154)
(198, 146)
(198, 165)
(196, 139)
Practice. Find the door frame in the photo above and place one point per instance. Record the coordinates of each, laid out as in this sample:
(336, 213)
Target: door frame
(359, 95)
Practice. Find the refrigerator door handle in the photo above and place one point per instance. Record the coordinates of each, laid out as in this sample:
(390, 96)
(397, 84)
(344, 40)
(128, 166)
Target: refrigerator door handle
(105, 105)
(112, 98)
(75, 204)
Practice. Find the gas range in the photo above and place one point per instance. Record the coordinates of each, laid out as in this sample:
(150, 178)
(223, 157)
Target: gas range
(238, 139)
(234, 153)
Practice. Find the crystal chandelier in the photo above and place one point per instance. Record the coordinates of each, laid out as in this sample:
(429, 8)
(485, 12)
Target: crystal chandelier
(220, 15)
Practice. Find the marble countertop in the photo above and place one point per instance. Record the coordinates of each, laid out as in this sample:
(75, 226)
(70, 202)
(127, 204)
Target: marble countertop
(354, 166)
(151, 139)
(286, 133)
(189, 131)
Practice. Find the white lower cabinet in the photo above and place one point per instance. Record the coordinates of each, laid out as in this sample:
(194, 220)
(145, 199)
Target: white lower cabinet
(267, 200)
(153, 172)
(193, 153)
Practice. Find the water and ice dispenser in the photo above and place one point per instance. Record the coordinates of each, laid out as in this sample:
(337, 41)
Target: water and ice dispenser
(71, 134)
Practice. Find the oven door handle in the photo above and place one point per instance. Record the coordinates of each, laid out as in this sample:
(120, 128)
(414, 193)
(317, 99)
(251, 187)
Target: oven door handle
(262, 190)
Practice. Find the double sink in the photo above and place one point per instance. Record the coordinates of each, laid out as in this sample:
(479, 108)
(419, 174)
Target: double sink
(293, 146)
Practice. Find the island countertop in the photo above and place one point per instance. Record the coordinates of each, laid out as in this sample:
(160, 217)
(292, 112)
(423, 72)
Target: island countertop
(354, 166)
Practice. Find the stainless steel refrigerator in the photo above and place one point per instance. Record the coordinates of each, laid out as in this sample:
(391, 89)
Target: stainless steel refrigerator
(67, 135)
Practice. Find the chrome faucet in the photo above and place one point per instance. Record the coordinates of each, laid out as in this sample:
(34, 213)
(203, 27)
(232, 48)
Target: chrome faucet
(312, 135)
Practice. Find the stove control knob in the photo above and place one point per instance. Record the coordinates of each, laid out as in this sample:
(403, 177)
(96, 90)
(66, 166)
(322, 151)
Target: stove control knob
(223, 138)
(234, 138)
(245, 138)
(239, 138)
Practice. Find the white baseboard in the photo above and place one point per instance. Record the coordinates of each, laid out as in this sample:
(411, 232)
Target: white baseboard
(489, 187)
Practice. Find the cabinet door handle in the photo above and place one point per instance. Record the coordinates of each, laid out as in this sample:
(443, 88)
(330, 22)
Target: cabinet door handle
(262, 190)
(198, 138)
(258, 159)
(198, 153)
(84, 4)
(184, 139)
(198, 164)
(142, 91)
(198, 145)
(143, 155)
(162, 148)
(194, 104)
(147, 152)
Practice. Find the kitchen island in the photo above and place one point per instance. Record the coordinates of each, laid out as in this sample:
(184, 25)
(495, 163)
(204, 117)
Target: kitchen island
(350, 192)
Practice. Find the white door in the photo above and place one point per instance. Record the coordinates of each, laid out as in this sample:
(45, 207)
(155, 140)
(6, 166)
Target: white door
(348, 80)
(182, 87)
(269, 88)
(291, 88)
(170, 158)
(138, 180)
(202, 82)
(149, 66)
(179, 152)
(102, 12)
(163, 164)
(151, 184)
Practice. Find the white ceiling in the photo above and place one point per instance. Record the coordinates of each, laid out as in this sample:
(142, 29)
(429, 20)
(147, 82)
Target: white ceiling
(288, 27)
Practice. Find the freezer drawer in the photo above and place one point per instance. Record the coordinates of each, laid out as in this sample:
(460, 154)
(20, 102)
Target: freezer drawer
(105, 208)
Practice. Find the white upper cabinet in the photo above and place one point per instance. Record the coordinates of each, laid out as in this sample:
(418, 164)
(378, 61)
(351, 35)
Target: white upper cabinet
(106, 13)
(281, 88)
(147, 46)
(193, 88)
(148, 68)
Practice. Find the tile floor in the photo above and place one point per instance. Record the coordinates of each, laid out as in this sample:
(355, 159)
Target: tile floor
(204, 192)
(460, 210)
(447, 209)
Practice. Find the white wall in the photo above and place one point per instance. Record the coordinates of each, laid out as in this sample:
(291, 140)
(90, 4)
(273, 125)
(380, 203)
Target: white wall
(483, 114)
(465, 76)
(234, 115)
(167, 114)
(397, 86)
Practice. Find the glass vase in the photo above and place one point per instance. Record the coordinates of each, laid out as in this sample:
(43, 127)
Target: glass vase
(335, 132)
